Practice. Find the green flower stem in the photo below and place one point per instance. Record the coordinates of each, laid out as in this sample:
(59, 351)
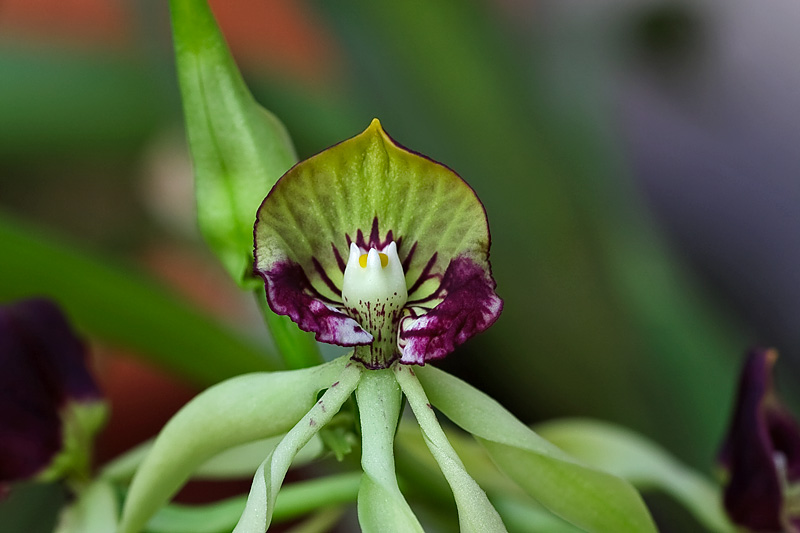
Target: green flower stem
(297, 348)
(475, 512)
(380, 501)
(269, 476)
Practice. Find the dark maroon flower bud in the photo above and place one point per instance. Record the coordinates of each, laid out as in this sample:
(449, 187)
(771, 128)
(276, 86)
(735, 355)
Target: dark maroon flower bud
(50, 407)
(761, 452)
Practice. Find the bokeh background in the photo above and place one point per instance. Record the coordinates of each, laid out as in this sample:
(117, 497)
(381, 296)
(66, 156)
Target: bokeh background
(638, 161)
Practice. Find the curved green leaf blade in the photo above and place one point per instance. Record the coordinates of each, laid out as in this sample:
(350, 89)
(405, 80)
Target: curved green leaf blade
(267, 481)
(589, 498)
(379, 499)
(122, 307)
(238, 148)
(240, 410)
(630, 456)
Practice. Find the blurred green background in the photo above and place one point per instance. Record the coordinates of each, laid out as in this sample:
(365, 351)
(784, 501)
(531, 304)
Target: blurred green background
(636, 160)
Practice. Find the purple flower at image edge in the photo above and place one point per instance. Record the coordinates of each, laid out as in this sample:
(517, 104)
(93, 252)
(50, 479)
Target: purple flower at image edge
(50, 406)
(761, 453)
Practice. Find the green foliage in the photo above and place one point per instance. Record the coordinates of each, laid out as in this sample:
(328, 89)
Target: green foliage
(122, 307)
(646, 465)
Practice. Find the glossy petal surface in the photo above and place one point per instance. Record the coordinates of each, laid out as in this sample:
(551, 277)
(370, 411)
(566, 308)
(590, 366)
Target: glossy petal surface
(370, 191)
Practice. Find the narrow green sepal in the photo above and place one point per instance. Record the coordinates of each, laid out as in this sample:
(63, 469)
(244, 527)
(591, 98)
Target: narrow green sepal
(645, 464)
(594, 500)
(379, 499)
(260, 506)
(239, 149)
(476, 514)
(237, 411)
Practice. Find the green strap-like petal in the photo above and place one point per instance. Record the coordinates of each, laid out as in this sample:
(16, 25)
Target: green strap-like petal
(587, 497)
(234, 412)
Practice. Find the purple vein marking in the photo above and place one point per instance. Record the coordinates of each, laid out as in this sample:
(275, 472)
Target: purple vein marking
(324, 277)
(339, 260)
(425, 274)
(409, 257)
(374, 235)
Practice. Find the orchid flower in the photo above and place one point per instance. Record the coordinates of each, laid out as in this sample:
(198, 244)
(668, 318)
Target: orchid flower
(371, 246)
(761, 453)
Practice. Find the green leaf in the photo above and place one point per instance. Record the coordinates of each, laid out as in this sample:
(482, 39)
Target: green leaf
(122, 307)
(267, 481)
(71, 102)
(649, 467)
(379, 499)
(320, 522)
(475, 512)
(33, 507)
(589, 498)
(238, 148)
(237, 411)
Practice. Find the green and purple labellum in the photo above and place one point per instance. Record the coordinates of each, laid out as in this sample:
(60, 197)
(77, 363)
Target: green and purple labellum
(368, 244)
(761, 453)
